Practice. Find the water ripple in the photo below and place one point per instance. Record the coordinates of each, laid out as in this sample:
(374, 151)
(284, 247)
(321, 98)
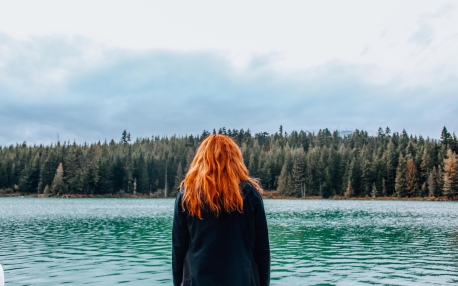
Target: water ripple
(127, 241)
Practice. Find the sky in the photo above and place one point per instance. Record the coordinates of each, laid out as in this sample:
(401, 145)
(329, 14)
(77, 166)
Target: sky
(85, 71)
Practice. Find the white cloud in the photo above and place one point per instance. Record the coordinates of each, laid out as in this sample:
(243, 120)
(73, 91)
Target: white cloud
(88, 70)
(303, 34)
(165, 92)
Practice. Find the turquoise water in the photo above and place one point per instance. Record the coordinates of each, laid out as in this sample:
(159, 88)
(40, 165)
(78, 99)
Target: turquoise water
(127, 241)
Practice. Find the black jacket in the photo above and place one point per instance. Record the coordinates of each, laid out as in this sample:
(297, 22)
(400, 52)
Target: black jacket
(231, 249)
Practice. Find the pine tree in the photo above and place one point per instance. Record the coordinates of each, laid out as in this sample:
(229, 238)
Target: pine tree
(361, 159)
(153, 175)
(432, 183)
(253, 164)
(411, 179)
(92, 178)
(425, 165)
(47, 190)
(349, 192)
(48, 167)
(3, 174)
(124, 137)
(384, 192)
(58, 185)
(298, 173)
(178, 179)
(119, 175)
(285, 186)
(454, 143)
(141, 175)
(374, 192)
(388, 131)
(450, 174)
(367, 177)
(355, 176)
(134, 186)
(30, 177)
(265, 171)
(423, 190)
(400, 182)
(446, 137)
(105, 175)
(391, 162)
(325, 190)
(440, 182)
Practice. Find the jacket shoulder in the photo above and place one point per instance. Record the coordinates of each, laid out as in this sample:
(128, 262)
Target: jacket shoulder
(249, 192)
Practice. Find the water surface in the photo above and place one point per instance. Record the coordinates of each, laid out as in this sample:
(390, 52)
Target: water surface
(127, 241)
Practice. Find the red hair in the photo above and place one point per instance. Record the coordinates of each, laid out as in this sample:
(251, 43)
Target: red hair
(214, 177)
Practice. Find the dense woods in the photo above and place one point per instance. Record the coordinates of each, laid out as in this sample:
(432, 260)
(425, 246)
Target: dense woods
(299, 164)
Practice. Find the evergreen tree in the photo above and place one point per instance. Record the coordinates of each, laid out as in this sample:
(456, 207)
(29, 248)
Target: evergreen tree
(401, 185)
(354, 176)
(76, 170)
(58, 185)
(285, 184)
(424, 190)
(411, 179)
(324, 180)
(367, 177)
(124, 137)
(178, 178)
(454, 143)
(253, 164)
(326, 164)
(141, 175)
(298, 173)
(92, 178)
(119, 175)
(432, 183)
(30, 178)
(48, 168)
(374, 192)
(446, 137)
(3, 174)
(387, 131)
(391, 162)
(384, 191)
(349, 192)
(105, 175)
(450, 174)
(425, 165)
(403, 141)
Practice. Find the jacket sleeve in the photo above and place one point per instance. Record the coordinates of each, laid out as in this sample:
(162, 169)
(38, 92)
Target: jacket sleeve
(262, 248)
(180, 241)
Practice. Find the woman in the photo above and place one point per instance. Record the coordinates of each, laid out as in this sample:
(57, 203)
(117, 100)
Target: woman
(219, 231)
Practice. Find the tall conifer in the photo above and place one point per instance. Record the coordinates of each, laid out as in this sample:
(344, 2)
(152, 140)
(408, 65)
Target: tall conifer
(401, 186)
(450, 174)
(58, 185)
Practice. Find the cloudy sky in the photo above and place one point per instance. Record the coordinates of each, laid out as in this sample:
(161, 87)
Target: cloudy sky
(87, 70)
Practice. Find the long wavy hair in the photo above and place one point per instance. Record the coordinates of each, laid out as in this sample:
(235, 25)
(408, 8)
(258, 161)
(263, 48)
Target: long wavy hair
(213, 180)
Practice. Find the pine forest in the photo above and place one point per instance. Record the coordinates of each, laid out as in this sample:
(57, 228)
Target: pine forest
(299, 164)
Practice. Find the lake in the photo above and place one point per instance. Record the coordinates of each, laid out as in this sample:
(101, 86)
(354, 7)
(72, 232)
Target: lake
(56, 241)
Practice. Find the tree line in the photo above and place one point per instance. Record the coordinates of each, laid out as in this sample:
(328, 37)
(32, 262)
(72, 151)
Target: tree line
(298, 164)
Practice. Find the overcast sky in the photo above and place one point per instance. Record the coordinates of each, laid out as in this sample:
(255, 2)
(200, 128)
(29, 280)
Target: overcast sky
(87, 70)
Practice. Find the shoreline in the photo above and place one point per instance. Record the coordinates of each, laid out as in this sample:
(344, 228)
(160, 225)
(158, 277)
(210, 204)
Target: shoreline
(266, 195)
(275, 196)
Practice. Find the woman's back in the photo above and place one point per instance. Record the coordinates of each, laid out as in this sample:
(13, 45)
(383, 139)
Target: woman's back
(219, 232)
(231, 249)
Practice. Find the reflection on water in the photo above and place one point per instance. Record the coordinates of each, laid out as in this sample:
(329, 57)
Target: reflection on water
(86, 241)
(127, 241)
(364, 242)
